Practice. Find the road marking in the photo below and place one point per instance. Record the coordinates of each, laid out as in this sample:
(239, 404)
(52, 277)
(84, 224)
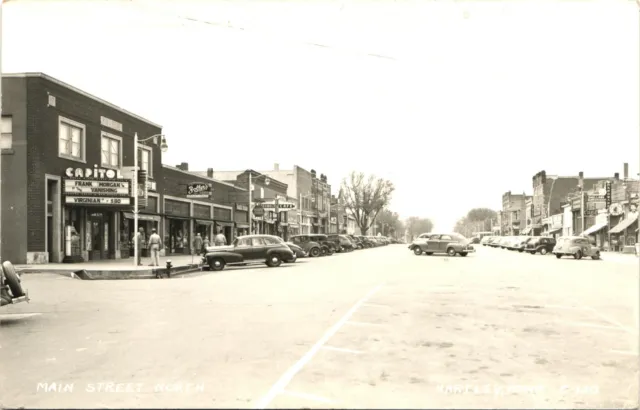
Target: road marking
(596, 326)
(362, 323)
(626, 352)
(18, 315)
(340, 349)
(285, 379)
(375, 305)
(312, 397)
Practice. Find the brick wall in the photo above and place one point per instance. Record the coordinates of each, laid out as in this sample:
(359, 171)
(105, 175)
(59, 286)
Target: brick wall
(174, 183)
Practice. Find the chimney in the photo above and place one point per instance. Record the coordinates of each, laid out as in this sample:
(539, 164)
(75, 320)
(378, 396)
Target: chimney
(276, 167)
(625, 172)
(313, 173)
(210, 172)
(616, 176)
(183, 166)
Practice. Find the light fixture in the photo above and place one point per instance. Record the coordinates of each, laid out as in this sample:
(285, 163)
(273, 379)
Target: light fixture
(163, 144)
(267, 181)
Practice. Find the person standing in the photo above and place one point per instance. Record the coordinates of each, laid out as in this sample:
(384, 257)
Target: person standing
(220, 239)
(205, 244)
(155, 244)
(197, 244)
(138, 240)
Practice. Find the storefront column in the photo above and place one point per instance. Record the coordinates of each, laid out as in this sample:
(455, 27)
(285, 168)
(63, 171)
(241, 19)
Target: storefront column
(115, 233)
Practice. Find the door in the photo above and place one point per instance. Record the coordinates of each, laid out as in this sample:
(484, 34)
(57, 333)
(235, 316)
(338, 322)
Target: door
(244, 248)
(444, 241)
(97, 236)
(259, 249)
(433, 243)
(50, 234)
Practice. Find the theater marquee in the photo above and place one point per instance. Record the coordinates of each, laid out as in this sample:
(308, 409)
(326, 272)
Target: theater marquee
(96, 186)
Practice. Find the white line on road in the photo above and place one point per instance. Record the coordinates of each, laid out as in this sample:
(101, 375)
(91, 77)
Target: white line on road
(362, 323)
(284, 380)
(18, 315)
(626, 352)
(595, 325)
(375, 305)
(312, 397)
(340, 349)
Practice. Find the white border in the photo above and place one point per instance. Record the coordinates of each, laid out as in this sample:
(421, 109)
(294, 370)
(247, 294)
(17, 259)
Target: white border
(108, 135)
(76, 124)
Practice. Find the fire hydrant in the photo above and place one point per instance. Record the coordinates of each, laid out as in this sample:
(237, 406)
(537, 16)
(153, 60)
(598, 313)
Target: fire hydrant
(169, 266)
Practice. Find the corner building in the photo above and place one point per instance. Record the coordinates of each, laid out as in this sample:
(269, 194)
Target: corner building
(64, 189)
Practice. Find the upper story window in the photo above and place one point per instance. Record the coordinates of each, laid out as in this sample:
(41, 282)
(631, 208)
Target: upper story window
(111, 151)
(6, 133)
(145, 159)
(71, 139)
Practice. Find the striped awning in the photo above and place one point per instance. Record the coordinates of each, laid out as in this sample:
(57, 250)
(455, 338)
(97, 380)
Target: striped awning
(624, 224)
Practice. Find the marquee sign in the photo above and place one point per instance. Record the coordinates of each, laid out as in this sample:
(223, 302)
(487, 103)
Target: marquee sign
(282, 206)
(88, 200)
(96, 187)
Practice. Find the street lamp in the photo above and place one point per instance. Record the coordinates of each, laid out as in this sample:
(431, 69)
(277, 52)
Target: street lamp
(163, 147)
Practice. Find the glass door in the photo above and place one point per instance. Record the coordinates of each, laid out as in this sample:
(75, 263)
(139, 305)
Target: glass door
(97, 236)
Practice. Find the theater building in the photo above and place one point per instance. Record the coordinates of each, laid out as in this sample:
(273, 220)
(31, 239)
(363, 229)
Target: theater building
(65, 192)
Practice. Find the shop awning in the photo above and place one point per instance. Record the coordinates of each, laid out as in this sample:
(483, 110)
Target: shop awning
(496, 229)
(229, 224)
(555, 230)
(204, 222)
(284, 224)
(624, 224)
(142, 217)
(526, 231)
(595, 228)
(242, 226)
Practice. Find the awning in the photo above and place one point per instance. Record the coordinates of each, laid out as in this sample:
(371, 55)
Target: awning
(142, 217)
(229, 224)
(204, 222)
(315, 224)
(181, 218)
(526, 231)
(284, 224)
(536, 226)
(496, 229)
(595, 228)
(242, 226)
(554, 230)
(624, 224)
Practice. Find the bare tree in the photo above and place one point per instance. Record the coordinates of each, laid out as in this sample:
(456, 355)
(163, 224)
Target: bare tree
(365, 197)
(416, 225)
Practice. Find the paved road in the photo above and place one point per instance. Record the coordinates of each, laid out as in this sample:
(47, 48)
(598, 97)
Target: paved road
(374, 328)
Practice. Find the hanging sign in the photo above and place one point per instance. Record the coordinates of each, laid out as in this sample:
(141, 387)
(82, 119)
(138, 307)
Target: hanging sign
(258, 211)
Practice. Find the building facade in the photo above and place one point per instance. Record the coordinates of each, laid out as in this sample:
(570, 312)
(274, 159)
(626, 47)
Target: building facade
(514, 213)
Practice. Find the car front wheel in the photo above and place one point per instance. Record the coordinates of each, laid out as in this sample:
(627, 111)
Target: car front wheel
(451, 252)
(558, 255)
(216, 264)
(274, 261)
(596, 256)
(465, 253)
(417, 250)
(314, 252)
(577, 255)
(543, 251)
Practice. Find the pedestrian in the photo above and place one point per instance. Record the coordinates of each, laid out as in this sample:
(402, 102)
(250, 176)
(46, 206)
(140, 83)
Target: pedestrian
(155, 244)
(220, 239)
(138, 239)
(197, 244)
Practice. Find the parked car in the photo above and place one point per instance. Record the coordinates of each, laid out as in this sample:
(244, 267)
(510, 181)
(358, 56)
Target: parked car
(495, 241)
(542, 244)
(357, 241)
(249, 249)
(11, 290)
(328, 247)
(522, 243)
(366, 242)
(576, 246)
(514, 243)
(486, 240)
(475, 240)
(310, 246)
(451, 244)
(342, 242)
(297, 250)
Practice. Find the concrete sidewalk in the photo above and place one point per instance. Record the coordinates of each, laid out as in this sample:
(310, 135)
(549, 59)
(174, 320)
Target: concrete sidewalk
(116, 268)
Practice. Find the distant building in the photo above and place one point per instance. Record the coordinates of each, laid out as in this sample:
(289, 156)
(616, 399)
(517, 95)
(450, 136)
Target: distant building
(514, 213)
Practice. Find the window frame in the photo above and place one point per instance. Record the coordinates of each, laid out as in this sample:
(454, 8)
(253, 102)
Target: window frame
(83, 141)
(108, 135)
(142, 148)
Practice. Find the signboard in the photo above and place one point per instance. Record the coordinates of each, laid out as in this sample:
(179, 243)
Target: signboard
(89, 200)
(576, 203)
(590, 212)
(199, 190)
(95, 172)
(242, 207)
(258, 211)
(607, 195)
(96, 187)
(282, 206)
(595, 197)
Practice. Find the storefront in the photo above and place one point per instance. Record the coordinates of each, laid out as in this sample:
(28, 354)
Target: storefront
(177, 226)
(240, 216)
(223, 216)
(148, 219)
(93, 199)
(625, 233)
(203, 220)
(555, 230)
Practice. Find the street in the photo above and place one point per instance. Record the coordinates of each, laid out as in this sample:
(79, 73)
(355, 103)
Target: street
(377, 328)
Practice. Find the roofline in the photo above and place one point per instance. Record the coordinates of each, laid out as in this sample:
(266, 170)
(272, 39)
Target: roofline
(200, 176)
(79, 91)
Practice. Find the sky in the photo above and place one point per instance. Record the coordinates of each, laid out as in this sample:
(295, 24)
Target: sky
(455, 102)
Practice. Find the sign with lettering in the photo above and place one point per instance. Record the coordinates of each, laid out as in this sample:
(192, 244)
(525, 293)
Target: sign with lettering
(95, 172)
(88, 200)
(199, 190)
(607, 195)
(282, 206)
(96, 187)
(258, 211)
(108, 122)
(240, 207)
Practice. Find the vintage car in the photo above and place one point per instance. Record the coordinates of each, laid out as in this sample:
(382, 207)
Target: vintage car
(249, 249)
(342, 242)
(515, 242)
(297, 250)
(310, 246)
(11, 290)
(329, 248)
(495, 242)
(451, 244)
(486, 240)
(576, 246)
(522, 243)
(542, 244)
(357, 241)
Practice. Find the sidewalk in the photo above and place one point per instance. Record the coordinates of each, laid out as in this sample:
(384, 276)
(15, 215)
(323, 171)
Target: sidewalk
(621, 257)
(116, 268)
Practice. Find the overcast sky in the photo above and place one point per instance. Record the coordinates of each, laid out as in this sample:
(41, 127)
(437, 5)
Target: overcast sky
(456, 102)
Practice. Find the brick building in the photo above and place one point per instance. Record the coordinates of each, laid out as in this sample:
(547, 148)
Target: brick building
(66, 186)
(514, 213)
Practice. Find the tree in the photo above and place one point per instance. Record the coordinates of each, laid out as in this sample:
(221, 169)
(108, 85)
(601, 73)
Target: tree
(391, 222)
(475, 220)
(416, 225)
(365, 197)
(481, 214)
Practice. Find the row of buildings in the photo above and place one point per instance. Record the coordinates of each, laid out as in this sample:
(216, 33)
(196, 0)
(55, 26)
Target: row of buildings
(67, 190)
(603, 208)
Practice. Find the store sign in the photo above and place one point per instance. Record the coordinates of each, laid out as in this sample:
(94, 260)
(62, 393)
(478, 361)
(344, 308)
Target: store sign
(258, 211)
(576, 203)
(282, 206)
(88, 200)
(242, 207)
(96, 187)
(607, 194)
(95, 172)
(199, 190)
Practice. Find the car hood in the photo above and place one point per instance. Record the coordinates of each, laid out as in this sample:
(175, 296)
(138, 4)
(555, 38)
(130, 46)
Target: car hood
(293, 246)
(220, 248)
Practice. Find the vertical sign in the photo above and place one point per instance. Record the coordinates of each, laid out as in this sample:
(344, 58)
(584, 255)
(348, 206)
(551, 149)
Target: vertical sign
(607, 195)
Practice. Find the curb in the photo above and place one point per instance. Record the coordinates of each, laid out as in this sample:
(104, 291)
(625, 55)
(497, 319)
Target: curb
(84, 274)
